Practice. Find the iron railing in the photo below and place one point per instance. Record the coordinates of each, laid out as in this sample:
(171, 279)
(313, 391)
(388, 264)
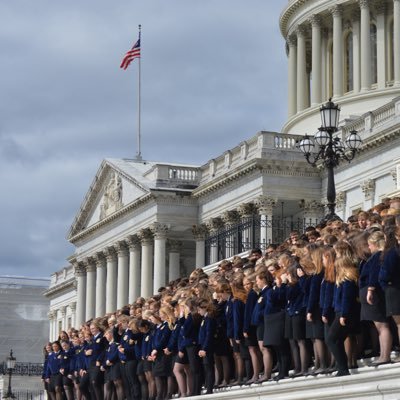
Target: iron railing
(30, 369)
(246, 234)
(25, 394)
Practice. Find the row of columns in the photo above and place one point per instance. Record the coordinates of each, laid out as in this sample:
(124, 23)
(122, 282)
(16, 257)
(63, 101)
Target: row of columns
(298, 81)
(58, 319)
(119, 274)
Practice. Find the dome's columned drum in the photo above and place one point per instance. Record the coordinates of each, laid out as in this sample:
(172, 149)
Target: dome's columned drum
(347, 50)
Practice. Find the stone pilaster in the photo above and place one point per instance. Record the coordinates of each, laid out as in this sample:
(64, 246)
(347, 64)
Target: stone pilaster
(72, 306)
(265, 205)
(199, 233)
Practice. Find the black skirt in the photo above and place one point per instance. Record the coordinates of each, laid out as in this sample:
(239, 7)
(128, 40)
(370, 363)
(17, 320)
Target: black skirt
(392, 299)
(260, 332)
(162, 365)
(112, 373)
(251, 340)
(147, 366)
(373, 312)
(295, 326)
(184, 359)
(274, 329)
(315, 328)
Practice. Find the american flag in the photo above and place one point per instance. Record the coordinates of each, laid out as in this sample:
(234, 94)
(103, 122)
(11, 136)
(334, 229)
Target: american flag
(130, 55)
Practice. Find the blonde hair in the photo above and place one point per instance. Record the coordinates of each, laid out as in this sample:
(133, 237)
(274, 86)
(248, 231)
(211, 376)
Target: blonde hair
(346, 270)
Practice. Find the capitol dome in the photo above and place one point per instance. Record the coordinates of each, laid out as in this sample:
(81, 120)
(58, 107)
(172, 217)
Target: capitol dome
(346, 50)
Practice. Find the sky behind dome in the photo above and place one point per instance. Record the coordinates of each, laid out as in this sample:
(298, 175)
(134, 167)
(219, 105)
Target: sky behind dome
(213, 74)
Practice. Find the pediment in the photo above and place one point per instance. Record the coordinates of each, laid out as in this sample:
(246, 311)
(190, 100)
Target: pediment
(114, 188)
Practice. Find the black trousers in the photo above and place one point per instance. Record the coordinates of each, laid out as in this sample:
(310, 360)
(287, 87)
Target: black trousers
(130, 379)
(209, 373)
(335, 341)
(195, 368)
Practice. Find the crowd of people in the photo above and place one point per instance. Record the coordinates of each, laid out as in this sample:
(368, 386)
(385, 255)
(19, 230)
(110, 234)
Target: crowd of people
(315, 304)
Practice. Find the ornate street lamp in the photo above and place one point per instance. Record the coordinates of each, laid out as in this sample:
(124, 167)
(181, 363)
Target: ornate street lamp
(330, 150)
(10, 367)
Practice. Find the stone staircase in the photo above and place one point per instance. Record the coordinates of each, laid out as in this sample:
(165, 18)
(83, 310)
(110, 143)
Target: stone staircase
(370, 383)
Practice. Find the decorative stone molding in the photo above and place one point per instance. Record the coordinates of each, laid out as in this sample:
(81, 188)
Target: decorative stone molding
(133, 242)
(266, 205)
(340, 200)
(159, 230)
(90, 264)
(355, 15)
(73, 306)
(363, 3)
(311, 207)
(301, 31)
(52, 315)
(199, 232)
(368, 188)
(99, 259)
(109, 253)
(174, 246)
(63, 311)
(291, 40)
(380, 7)
(228, 159)
(79, 269)
(121, 248)
(112, 198)
(336, 11)
(230, 217)
(214, 224)
(246, 210)
(146, 236)
(244, 150)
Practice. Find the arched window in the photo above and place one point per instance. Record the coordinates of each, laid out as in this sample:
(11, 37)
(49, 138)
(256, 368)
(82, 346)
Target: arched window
(349, 62)
(374, 67)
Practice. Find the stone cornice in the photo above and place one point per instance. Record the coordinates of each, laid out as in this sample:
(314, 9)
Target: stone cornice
(60, 287)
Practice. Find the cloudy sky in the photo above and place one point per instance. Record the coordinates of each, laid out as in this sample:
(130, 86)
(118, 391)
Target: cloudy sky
(213, 74)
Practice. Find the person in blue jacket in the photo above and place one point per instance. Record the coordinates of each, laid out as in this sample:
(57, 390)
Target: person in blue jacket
(67, 368)
(147, 329)
(389, 275)
(347, 311)
(111, 367)
(53, 374)
(206, 341)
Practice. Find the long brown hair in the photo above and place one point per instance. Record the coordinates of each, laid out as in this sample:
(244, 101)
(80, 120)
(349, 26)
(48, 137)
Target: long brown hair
(238, 291)
(346, 270)
(330, 254)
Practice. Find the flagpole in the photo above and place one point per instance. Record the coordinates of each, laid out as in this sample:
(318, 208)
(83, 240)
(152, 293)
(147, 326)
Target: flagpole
(139, 153)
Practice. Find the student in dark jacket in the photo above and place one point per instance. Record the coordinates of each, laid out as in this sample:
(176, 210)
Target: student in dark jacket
(389, 275)
(67, 368)
(250, 331)
(53, 375)
(372, 297)
(206, 341)
(146, 328)
(347, 311)
(111, 367)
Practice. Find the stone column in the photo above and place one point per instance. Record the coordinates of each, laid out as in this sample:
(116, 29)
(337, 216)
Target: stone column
(302, 80)
(292, 75)
(380, 44)
(313, 211)
(134, 267)
(72, 306)
(63, 311)
(160, 239)
(324, 63)
(230, 218)
(199, 233)
(90, 288)
(396, 41)
(368, 188)
(80, 274)
(214, 225)
(365, 46)
(337, 51)
(51, 316)
(174, 249)
(356, 51)
(146, 239)
(316, 60)
(100, 285)
(111, 280)
(265, 207)
(122, 278)
(246, 212)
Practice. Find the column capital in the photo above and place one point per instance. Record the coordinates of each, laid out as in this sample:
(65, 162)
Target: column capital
(315, 21)
(159, 230)
(199, 231)
(133, 242)
(79, 269)
(230, 217)
(301, 31)
(363, 3)
(109, 253)
(336, 11)
(368, 188)
(121, 248)
(52, 314)
(99, 259)
(174, 246)
(291, 40)
(380, 7)
(311, 205)
(340, 200)
(146, 236)
(214, 224)
(63, 310)
(355, 15)
(73, 306)
(266, 204)
(90, 264)
(246, 210)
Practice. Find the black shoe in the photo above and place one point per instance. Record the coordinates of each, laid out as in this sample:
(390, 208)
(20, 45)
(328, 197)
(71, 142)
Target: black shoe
(343, 373)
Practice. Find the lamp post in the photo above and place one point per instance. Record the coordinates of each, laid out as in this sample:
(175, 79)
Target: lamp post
(331, 150)
(10, 366)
